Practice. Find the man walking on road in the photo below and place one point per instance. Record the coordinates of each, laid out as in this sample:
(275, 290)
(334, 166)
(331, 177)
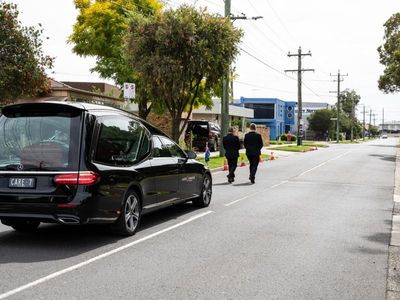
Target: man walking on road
(253, 144)
(231, 145)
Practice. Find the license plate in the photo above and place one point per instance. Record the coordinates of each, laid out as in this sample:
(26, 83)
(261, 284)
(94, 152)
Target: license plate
(22, 183)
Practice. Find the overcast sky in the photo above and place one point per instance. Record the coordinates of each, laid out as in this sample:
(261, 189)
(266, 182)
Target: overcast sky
(340, 34)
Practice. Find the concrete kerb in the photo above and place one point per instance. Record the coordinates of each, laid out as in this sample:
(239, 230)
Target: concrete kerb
(264, 150)
(393, 273)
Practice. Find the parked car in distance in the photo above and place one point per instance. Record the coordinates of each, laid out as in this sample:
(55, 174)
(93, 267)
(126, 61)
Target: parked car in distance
(79, 163)
(384, 136)
(203, 133)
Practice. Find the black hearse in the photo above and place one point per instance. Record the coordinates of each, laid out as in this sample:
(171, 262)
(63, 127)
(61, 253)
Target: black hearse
(79, 163)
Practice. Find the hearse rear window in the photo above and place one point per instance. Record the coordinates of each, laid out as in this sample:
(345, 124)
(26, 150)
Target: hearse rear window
(39, 141)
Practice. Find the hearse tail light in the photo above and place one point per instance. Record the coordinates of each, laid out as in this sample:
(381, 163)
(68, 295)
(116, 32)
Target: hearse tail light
(81, 178)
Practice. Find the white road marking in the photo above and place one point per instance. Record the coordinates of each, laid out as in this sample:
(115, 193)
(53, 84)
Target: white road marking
(324, 163)
(316, 167)
(101, 256)
(255, 193)
(235, 201)
(286, 181)
(278, 184)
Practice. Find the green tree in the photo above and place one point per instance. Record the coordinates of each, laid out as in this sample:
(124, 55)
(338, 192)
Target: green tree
(389, 56)
(320, 122)
(349, 100)
(181, 56)
(22, 62)
(100, 31)
(373, 130)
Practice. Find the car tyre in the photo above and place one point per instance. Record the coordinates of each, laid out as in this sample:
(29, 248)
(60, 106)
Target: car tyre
(23, 226)
(214, 145)
(130, 217)
(206, 192)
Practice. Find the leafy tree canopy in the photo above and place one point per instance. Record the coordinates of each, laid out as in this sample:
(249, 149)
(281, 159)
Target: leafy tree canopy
(349, 100)
(100, 31)
(181, 55)
(320, 121)
(389, 56)
(22, 62)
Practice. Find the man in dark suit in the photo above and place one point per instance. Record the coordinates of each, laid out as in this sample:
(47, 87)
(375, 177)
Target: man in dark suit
(231, 145)
(253, 144)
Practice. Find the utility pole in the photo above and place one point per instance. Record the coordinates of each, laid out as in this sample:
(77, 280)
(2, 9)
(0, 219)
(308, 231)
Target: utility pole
(225, 81)
(225, 92)
(299, 94)
(363, 133)
(383, 120)
(339, 79)
(352, 120)
(370, 124)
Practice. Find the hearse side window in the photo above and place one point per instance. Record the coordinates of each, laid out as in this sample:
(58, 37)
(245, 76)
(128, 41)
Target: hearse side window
(119, 141)
(172, 148)
(159, 150)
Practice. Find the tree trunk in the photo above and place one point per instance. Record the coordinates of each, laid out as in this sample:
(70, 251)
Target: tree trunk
(176, 122)
(143, 109)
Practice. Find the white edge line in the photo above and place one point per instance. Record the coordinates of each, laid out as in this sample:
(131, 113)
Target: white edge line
(101, 256)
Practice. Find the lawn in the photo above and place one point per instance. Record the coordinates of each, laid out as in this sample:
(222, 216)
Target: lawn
(295, 148)
(217, 162)
(305, 143)
(315, 144)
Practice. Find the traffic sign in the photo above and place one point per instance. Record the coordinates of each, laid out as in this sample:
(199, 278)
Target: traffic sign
(129, 90)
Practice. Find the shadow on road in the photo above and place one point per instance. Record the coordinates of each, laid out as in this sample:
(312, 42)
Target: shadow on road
(387, 146)
(222, 183)
(57, 242)
(243, 184)
(380, 237)
(384, 157)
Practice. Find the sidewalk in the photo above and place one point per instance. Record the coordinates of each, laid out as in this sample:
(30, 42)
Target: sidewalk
(393, 273)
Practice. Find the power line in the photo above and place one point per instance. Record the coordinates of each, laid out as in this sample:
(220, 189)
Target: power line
(266, 64)
(267, 38)
(273, 89)
(280, 20)
(268, 26)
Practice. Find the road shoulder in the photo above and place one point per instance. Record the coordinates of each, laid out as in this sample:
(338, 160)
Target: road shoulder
(393, 274)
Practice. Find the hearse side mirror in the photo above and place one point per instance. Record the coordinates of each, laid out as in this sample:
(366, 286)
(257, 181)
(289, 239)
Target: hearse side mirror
(191, 154)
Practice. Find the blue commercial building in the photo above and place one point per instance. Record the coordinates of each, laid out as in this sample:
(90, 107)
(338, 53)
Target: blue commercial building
(274, 113)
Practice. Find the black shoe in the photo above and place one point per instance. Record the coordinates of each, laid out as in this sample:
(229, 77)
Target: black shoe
(252, 181)
(230, 180)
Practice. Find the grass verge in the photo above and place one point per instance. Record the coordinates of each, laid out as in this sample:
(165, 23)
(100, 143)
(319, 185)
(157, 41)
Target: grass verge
(295, 148)
(218, 162)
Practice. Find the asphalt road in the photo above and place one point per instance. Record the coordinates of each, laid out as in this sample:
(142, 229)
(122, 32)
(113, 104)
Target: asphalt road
(315, 225)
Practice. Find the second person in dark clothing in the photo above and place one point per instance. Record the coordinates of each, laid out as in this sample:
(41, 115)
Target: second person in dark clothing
(253, 144)
(231, 145)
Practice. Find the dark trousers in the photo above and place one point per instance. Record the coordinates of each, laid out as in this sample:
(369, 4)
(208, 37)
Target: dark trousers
(253, 160)
(232, 165)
